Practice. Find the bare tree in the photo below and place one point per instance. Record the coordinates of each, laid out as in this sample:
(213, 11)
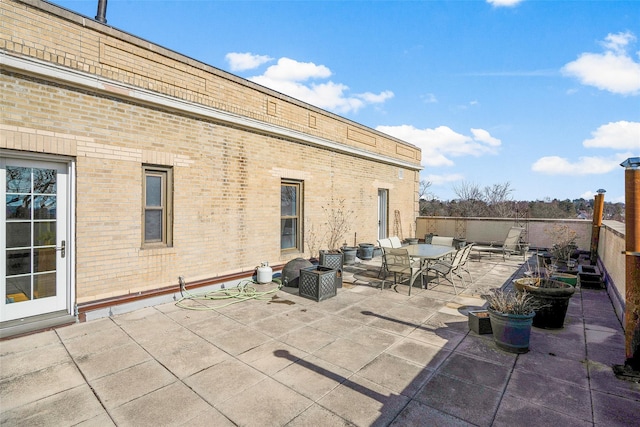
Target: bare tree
(424, 196)
(424, 193)
(498, 199)
(470, 200)
(468, 191)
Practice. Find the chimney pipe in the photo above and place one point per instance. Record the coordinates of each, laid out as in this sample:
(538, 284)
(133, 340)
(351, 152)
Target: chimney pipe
(598, 208)
(631, 368)
(102, 11)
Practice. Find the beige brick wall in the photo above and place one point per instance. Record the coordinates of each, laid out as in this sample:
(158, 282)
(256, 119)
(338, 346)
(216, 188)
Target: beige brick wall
(226, 178)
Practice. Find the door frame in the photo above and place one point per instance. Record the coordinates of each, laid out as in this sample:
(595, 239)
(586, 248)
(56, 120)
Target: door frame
(70, 221)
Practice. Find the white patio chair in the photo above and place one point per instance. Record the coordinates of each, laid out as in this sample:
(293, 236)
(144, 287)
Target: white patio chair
(395, 242)
(442, 240)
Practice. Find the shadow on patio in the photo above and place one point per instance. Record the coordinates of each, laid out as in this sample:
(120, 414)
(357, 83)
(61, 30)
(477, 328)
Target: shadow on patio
(365, 357)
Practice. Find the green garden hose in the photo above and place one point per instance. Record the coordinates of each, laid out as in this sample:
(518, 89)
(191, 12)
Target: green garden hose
(244, 291)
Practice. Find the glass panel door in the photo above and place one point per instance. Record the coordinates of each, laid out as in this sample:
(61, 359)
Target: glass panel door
(34, 228)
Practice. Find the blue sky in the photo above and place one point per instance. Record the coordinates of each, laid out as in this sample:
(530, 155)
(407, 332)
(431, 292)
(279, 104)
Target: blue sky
(543, 95)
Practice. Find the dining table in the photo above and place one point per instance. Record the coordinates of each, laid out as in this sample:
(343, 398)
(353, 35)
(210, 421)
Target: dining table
(427, 253)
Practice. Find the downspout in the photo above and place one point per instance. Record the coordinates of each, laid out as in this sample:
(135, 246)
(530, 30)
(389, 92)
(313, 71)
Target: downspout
(631, 368)
(102, 11)
(598, 209)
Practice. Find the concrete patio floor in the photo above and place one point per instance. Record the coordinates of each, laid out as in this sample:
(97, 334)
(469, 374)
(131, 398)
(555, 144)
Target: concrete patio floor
(365, 357)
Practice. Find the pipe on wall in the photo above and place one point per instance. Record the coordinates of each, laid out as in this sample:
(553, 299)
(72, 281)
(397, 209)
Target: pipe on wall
(598, 209)
(102, 11)
(632, 264)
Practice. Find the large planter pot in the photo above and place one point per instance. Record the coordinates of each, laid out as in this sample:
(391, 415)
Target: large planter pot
(365, 251)
(552, 298)
(349, 253)
(571, 279)
(511, 332)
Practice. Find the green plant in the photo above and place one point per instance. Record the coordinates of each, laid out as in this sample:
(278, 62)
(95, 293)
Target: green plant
(510, 302)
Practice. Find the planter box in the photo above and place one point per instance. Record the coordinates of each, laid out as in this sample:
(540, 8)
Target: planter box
(589, 277)
(317, 283)
(480, 322)
(335, 261)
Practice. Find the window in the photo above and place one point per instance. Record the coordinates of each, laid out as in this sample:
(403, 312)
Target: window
(157, 211)
(290, 215)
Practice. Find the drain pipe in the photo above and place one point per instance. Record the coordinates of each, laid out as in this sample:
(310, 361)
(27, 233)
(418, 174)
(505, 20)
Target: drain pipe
(631, 369)
(598, 208)
(102, 11)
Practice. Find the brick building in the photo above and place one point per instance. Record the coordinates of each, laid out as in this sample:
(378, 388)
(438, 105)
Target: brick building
(125, 165)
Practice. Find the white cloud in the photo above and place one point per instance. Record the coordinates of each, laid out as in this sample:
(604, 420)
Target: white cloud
(372, 98)
(614, 70)
(444, 179)
(291, 70)
(618, 42)
(441, 143)
(245, 61)
(620, 135)
(504, 3)
(429, 98)
(555, 165)
(292, 78)
(587, 195)
(484, 136)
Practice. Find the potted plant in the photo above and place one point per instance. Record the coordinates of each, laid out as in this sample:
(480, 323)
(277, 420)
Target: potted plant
(564, 244)
(339, 220)
(511, 314)
(550, 295)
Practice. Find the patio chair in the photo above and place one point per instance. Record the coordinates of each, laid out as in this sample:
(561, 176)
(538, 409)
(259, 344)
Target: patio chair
(442, 241)
(448, 269)
(383, 244)
(399, 263)
(395, 242)
(510, 245)
(464, 261)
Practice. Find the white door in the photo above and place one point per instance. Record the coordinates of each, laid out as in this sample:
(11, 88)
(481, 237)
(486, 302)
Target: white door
(383, 209)
(33, 238)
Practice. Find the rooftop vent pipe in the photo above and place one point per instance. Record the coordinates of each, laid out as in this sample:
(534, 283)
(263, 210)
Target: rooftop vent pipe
(102, 11)
(598, 209)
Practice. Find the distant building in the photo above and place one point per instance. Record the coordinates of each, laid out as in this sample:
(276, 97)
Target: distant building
(125, 165)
